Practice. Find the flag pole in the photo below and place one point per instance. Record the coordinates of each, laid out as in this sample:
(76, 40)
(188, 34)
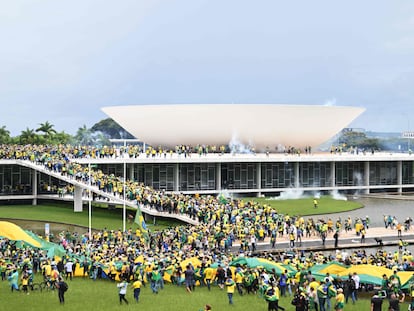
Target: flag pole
(124, 205)
(90, 201)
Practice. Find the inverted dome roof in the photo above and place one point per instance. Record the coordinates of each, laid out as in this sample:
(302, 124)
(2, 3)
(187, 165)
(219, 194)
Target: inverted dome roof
(258, 125)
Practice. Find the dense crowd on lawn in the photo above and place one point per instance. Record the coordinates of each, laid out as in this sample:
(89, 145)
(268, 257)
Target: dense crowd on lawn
(124, 256)
(222, 222)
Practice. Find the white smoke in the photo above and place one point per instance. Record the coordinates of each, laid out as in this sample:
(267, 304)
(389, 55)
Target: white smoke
(290, 194)
(358, 181)
(294, 194)
(358, 178)
(338, 196)
(237, 146)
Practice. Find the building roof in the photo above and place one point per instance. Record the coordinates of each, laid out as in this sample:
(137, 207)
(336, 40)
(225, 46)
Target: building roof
(257, 125)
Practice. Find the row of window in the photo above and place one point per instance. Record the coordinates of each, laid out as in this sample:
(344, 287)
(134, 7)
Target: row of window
(206, 176)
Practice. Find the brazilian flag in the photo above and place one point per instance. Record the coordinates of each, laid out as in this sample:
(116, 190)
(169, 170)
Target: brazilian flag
(222, 199)
(139, 220)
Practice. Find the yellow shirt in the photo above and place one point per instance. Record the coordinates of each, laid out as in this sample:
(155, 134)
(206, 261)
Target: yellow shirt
(314, 284)
(239, 277)
(230, 287)
(136, 284)
(209, 273)
(340, 298)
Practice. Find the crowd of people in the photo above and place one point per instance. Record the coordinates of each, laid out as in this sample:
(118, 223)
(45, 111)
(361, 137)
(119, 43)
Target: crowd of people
(121, 257)
(222, 223)
(226, 220)
(137, 150)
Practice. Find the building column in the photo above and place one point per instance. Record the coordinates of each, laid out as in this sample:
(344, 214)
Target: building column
(176, 177)
(259, 178)
(399, 176)
(333, 174)
(131, 168)
(366, 176)
(218, 176)
(34, 187)
(297, 175)
(77, 199)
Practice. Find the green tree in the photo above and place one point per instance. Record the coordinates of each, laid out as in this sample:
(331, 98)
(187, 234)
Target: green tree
(112, 129)
(84, 136)
(28, 136)
(4, 135)
(359, 140)
(47, 129)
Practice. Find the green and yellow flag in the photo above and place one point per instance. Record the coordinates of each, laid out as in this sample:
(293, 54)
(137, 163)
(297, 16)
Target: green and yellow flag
(140, 221)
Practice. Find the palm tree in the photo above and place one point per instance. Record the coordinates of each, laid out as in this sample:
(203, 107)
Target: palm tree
(4, 135)
(84, 136)
(47, 129)
(28, 136)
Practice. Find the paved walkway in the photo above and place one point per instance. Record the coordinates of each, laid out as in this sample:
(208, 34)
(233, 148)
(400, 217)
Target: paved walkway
(375, 208)
(346, 240)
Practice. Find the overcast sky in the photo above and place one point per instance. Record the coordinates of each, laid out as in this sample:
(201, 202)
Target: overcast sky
(61, 61)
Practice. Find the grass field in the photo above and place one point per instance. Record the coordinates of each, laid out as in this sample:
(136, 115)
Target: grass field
(304, 207)
(101, 216)
(85, 294)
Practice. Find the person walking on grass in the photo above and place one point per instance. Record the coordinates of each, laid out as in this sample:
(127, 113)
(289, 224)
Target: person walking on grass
(272, 295)
(230, 285)
(189, 278)
(25, 283)
(13, 279)
(62, 288)
(339, 300)
(137, 288)
(69, 269)
(122, 290)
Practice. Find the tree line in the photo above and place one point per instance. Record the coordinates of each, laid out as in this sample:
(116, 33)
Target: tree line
(102, 131)
(45, 133)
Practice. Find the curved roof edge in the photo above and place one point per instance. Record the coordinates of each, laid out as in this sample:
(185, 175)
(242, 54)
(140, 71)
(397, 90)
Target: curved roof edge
(259, 125)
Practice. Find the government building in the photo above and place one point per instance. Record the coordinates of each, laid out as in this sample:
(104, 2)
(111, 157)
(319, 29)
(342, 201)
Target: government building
(240, 174)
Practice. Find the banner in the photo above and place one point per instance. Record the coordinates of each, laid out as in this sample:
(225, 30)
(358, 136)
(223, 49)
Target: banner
(140, 221)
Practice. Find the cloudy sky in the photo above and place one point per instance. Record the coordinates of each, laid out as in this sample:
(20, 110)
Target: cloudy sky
(61, 61)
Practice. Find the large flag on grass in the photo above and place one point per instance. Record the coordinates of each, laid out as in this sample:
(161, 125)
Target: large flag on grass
(140, 221)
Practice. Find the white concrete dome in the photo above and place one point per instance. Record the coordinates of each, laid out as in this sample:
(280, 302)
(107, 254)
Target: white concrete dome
(258, 125)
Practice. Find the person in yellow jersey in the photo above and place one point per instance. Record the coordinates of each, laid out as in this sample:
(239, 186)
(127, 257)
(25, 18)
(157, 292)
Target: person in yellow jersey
(209, 275)
(239, 278)
(47, 269)
(137, 289)
(230, 286)
(25, 283)
(339, 300)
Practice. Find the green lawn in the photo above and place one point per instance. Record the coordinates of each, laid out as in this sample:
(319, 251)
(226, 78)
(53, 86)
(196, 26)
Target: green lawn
(101, 216)
(304, 207)
(85, 294)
